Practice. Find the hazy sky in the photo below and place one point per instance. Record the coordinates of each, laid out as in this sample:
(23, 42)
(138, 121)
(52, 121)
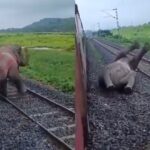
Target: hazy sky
(131, 12)
(18, 13)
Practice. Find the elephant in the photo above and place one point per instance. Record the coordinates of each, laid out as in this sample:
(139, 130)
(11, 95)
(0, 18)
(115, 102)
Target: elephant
(121, 73)
(11, 57)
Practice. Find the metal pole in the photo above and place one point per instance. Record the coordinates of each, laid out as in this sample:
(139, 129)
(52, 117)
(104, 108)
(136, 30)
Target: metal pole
(98, 28)
(117, 19)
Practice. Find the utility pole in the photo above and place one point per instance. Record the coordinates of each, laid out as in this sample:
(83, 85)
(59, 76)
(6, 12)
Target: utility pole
(98, 24)
(117, 19)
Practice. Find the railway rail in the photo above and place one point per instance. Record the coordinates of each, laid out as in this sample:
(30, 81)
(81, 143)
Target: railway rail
(119, 48)
(144, 65)
(55, 119)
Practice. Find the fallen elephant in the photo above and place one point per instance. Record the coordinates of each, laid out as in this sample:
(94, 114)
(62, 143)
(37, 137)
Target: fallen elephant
(122, 72)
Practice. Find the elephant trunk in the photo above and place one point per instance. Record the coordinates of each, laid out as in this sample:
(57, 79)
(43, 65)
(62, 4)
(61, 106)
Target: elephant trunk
(24, 57)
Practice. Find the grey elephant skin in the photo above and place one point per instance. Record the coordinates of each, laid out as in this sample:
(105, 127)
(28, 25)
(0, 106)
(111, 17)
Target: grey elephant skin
(122, 72)
(11, 58)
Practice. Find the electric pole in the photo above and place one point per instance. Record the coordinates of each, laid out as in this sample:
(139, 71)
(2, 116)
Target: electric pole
(117, 19)
(98, 28)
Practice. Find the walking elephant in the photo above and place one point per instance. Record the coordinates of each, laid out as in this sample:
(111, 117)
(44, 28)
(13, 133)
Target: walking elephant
(122, 72)
(11, 57)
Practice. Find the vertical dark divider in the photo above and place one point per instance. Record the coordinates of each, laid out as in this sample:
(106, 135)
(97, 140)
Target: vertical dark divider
(80, 85)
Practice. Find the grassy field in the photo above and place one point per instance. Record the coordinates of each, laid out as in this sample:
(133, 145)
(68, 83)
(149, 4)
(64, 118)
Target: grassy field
(53, 66)
(51, 40)
(129, 34)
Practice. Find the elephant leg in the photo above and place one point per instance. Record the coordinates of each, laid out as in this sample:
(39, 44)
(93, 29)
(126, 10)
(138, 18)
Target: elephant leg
(121, 55)
(19, 84)
(16, 79)
(3, 87)
(135, 45)
(129, 80)
(107, 79)
(136, 59)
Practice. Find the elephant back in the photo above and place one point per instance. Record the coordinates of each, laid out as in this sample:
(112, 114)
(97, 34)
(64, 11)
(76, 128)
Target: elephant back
(19, 53)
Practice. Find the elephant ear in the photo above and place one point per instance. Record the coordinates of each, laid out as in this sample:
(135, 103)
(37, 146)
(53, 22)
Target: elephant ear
(24, 56)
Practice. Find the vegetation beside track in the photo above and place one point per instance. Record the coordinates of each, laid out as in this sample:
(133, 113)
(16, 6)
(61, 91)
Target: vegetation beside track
(128, 34)
(53, 66)
(51, 40)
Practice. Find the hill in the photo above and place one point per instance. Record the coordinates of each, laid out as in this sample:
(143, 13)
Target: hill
(47, 25)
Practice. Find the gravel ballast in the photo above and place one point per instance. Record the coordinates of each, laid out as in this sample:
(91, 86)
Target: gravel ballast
(17, 132)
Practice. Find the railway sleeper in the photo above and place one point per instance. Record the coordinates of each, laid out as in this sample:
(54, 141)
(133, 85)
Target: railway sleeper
(44, 114)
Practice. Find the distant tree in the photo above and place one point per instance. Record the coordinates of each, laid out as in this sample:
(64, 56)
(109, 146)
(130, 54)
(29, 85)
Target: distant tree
(105, 33)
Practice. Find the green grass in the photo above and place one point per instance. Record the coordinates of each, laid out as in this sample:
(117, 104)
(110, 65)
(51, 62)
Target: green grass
(55, 66)
(51, 40)
(139, 33)
(129, 34)
(52, 67)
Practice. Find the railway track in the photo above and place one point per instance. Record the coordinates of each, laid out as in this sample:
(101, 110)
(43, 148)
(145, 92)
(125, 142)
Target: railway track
(55, 119)
(119, 48)
(116, 120)
(144, 65)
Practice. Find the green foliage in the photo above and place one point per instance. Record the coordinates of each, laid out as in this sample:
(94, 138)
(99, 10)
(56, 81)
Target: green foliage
(138, 33)
(53, 67)
(127, 35)
(119, 39)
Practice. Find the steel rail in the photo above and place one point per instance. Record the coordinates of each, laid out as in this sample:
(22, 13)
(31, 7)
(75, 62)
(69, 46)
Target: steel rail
(66, 146)
(116, 54)
(50, 101)
(131, 53)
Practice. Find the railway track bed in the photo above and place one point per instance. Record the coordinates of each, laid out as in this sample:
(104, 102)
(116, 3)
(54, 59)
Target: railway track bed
(54, 119)
(58, 96)
(19, 132)
(117, 121)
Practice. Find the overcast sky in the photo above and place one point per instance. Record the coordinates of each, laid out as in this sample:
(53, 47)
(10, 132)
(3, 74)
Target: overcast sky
(18, 13)
(131, 12)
